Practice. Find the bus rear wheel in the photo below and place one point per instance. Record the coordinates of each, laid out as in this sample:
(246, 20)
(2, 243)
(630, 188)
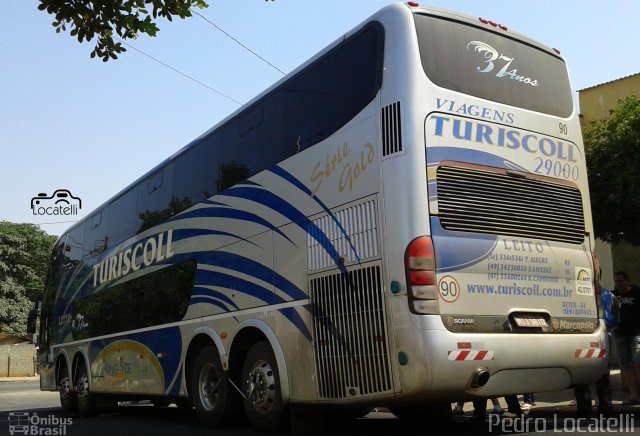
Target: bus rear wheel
(68, 400)
(261, 388)
(86, 400)
(209, 387)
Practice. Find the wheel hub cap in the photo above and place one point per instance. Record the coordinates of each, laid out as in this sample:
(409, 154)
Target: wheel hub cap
(209, 381)
(261, 387)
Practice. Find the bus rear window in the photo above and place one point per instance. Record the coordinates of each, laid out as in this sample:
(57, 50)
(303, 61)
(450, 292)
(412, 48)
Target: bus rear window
(488, 65)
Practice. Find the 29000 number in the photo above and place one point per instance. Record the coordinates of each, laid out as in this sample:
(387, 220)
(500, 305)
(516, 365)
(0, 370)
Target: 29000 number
(557, 169)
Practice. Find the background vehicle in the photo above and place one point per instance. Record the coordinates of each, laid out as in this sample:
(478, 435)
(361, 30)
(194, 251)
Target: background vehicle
(404, 221)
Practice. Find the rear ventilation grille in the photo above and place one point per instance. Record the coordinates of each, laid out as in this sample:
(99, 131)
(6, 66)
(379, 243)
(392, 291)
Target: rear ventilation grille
(483, 201)
(391, 129)
(350, 343)
(352, 231)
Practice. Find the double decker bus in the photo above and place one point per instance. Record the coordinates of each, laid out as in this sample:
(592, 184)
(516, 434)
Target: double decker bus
(402, 221)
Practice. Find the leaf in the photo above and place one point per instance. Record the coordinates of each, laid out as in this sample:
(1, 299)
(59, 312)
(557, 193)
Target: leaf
(127, 18)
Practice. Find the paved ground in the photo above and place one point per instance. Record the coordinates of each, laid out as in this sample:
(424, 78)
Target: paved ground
(545, 402)
(562, 402)
(553, 414)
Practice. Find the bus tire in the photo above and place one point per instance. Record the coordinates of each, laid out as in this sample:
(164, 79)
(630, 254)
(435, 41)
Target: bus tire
(209, 387)
(68, 399)
(261, 388)
(86, 400)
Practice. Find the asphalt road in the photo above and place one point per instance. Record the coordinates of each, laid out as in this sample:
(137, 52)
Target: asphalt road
(22, 405)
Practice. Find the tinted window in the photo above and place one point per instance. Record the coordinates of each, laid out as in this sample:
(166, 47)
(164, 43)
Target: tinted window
(306, 109)
(195, 175)
(325, 96)
(489, 65)
(95, 233)
(155, 298)
(154, 198)
(252, 142)
(74, 267)
(123, 221)
(52, 284)
(54, 273)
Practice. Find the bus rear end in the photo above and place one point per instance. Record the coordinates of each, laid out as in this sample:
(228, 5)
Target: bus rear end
(498, 246)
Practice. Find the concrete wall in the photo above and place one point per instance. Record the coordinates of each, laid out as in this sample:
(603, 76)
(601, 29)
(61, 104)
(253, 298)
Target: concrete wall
(17, 360)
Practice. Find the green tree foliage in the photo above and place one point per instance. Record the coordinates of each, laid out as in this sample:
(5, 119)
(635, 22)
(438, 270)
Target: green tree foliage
(37, 248)
(14, 307)
(24, 254)
(613, 163)
(87, 19)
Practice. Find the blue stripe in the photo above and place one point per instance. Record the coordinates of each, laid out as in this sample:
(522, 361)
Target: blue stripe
(254, 269)
(213, 278)
(217, 203)
(175, 389)
(324, 321)
(179, 234)
(291, 179)
(219, 212)
(196, 300)
(292, 315)
(211, 293)
(257, 291)
(279, 171)
(243, 265)
(276, 203)
(249, 182)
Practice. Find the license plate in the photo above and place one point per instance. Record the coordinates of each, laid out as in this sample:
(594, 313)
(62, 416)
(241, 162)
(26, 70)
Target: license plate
(530, 321)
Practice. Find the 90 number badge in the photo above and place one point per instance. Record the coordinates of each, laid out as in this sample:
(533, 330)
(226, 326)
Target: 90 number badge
(449, 289)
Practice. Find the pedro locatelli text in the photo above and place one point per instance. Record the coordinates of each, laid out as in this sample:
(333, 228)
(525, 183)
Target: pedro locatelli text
(623, 423)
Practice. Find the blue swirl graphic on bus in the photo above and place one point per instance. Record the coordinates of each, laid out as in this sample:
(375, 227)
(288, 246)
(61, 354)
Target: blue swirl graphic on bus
(463, 249)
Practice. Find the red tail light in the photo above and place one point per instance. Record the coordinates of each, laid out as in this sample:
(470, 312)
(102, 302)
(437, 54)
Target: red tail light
(420, 267)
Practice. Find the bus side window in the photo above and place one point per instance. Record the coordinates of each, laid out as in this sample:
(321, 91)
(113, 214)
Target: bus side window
(122, 220)
(95, 235)
(74, 248)
(322, 98)
(196, 173)
(155, 203)
(52, 284)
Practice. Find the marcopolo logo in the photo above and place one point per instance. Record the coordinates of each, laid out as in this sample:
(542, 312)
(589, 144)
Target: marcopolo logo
(33, 424)
(61, 202)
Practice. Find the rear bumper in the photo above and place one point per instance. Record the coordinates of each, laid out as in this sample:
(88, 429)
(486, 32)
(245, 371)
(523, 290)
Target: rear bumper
(444, 363)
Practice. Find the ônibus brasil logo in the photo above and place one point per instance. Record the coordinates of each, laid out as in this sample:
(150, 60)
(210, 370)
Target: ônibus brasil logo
(26, 423)
(61, 202)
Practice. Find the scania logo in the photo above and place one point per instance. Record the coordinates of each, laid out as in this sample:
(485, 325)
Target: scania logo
(491, 56)
(449, 321)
